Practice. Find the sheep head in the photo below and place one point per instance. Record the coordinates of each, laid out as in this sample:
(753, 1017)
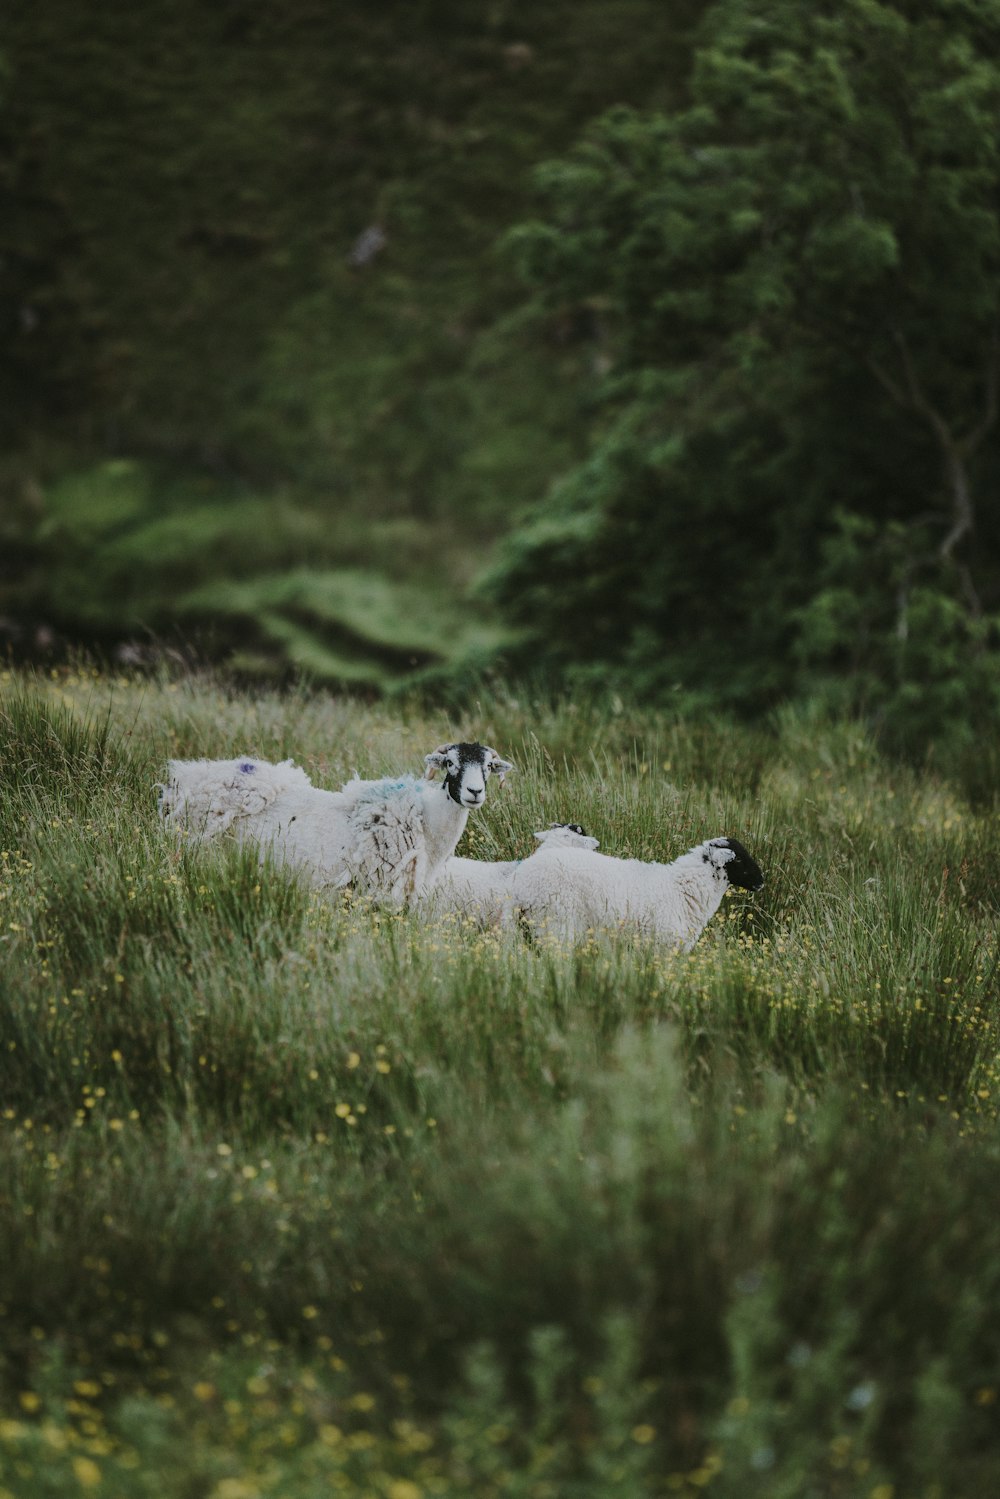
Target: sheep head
(466, 768)
(740, 868)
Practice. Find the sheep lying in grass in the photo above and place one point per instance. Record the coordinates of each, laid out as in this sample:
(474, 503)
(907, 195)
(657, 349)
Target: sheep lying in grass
(479, 890)
(389, 838)
(566, 892)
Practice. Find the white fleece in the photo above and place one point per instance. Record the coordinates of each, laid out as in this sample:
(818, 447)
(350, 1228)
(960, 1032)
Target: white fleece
(566, 892)
(388, 837)
(480, 890)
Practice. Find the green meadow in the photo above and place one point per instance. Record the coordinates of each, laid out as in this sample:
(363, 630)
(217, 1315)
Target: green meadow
(303, 1198)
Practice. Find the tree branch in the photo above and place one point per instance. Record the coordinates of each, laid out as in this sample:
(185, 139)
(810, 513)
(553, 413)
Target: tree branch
(992, 405)
(917, 398)
(964, 515)
(955, 451)
(886, 382)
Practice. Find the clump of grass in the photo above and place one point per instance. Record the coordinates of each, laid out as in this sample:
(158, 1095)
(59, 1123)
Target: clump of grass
(603, 1220)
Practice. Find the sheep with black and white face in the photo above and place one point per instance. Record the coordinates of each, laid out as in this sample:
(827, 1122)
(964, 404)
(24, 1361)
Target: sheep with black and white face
(567, 892)
(388, 838)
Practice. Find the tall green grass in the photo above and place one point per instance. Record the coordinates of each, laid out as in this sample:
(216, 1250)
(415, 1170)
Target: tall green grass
(300, 1197)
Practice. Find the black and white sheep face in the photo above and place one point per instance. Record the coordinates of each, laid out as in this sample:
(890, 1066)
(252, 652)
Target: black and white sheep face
(467, 768)
(734, 863)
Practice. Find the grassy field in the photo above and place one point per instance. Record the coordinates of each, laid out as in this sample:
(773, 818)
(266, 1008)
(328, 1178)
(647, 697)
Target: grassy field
(298, 1199)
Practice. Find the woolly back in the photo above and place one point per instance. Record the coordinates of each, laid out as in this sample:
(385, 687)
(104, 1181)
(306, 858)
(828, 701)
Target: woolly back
(566, 835)
(206, 796)
(390, 788)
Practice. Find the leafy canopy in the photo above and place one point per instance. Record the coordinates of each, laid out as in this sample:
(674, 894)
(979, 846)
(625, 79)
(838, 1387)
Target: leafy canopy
(791, 287)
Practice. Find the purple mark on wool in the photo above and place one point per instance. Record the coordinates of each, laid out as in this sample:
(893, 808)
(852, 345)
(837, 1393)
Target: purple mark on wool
(247, 767)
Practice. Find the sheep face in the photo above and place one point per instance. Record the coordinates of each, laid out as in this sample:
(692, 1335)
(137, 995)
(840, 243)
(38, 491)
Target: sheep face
(467, 767)
(733, 861)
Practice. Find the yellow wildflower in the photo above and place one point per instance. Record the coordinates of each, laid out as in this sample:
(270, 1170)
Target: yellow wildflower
(88, 1474)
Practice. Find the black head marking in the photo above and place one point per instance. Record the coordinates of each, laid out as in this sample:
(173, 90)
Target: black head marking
(456, 760)
(742, 870)
(571, 827)
(460, 758)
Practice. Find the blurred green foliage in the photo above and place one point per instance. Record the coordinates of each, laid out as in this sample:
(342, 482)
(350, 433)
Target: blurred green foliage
(289, 365)
(222, 563)
(186, 197)
(794, 288)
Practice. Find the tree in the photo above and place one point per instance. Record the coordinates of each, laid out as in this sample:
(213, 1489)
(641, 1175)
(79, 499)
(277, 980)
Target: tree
(795, 287)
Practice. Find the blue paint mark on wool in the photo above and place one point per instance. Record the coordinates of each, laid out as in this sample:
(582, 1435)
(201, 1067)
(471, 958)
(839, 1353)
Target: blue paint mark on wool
(247, 767)
(379, 790)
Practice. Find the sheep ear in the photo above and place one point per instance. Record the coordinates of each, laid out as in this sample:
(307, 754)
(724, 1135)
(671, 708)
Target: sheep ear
(437, 760)
(499, 767)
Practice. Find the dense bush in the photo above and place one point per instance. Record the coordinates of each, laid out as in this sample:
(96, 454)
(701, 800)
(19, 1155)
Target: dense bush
(791, 287)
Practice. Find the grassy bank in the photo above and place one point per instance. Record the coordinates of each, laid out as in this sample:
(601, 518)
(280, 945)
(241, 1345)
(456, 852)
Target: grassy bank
(210, 405)
(300, 1198)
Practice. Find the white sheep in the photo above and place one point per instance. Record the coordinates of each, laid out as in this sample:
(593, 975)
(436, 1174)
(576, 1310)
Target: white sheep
(566, 892)
(388, 838)
(479, 889)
